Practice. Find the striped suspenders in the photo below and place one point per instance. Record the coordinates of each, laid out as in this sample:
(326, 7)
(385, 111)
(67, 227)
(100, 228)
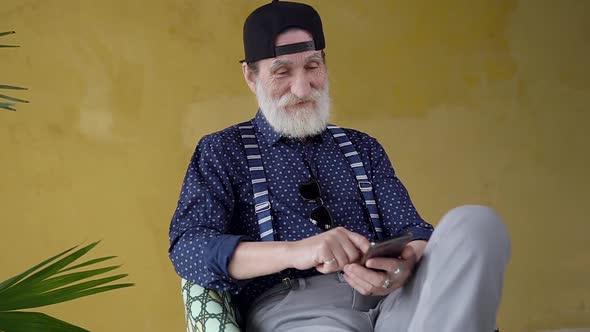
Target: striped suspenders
(262, 206)
(258, 178)
(364, 185)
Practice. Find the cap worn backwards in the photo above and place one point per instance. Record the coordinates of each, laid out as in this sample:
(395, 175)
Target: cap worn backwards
(265, 23)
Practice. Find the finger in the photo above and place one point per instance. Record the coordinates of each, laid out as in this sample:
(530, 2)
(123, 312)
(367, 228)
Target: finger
(324, 258)
(359, 284)
(340, 255)
(409, 254)
(409, 259)
(373, 278)
(323, 269)
(359, 241)
(398, 270)
(348, 245)
(328, 266)
(323, 253)
(352, 252)
(383, 263)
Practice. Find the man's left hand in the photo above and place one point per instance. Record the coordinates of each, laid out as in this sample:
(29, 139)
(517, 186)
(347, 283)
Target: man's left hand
(381, 276)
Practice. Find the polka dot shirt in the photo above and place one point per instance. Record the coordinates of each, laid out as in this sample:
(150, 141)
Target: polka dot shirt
(216, 206)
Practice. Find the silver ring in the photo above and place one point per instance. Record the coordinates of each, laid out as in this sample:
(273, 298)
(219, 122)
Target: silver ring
(387, 283)
(331, 261)
(397, 271)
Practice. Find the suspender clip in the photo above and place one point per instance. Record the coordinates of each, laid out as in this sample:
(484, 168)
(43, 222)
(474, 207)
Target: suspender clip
(262, 207)
(365, 185)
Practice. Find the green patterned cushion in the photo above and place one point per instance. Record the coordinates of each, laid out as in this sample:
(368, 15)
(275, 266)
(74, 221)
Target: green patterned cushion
(207, 310)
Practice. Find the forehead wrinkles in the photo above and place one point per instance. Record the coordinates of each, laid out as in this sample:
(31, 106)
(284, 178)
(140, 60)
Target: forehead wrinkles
(296, 59)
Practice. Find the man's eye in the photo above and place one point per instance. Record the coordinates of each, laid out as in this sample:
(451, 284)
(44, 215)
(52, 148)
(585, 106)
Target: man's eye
(313, 66)
(282, 72)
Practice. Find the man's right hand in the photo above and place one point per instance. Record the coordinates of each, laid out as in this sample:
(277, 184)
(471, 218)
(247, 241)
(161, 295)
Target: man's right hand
(328, 252)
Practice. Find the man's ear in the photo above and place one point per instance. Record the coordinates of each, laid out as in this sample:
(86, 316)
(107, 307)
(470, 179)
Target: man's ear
(249, 76)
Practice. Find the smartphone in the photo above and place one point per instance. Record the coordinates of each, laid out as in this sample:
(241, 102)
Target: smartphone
(389, 248)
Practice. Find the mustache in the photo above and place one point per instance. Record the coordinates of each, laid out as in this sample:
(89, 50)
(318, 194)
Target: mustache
(291, 99)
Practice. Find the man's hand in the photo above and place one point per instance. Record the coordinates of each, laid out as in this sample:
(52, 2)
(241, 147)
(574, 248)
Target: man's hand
(328, 252)
(381, 276)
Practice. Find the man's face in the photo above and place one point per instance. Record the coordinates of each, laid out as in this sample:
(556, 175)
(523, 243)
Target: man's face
(292, 89)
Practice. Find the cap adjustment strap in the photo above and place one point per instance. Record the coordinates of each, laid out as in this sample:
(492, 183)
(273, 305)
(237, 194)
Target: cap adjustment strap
(295, 48)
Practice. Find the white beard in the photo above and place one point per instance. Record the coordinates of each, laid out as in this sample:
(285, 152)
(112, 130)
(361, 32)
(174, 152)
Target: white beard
(302, 122)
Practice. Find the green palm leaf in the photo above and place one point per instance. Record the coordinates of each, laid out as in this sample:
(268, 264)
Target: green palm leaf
(4, 105)
(13, 99)
(4, 285)
(7, 33)
(34, 321)
(60, 296)
(47, 283)
(54, 268)
(11, 87)
(90, 262)
(7, 106)
(56, 282)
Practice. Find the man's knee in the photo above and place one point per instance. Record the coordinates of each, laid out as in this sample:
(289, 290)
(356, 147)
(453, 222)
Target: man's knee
(480, 225)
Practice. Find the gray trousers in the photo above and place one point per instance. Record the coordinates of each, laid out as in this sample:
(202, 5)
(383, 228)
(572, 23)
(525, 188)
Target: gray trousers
(456, 288)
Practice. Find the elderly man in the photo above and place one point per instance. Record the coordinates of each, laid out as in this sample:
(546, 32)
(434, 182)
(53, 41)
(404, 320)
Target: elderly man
(279, 211)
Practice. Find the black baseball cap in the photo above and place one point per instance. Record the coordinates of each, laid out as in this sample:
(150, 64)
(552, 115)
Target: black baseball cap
(265, 23)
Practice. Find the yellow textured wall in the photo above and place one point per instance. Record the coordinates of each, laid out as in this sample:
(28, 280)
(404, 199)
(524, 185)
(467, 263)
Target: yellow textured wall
(475, 102)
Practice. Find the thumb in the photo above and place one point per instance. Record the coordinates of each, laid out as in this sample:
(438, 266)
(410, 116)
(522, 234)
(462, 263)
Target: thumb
(409, 254)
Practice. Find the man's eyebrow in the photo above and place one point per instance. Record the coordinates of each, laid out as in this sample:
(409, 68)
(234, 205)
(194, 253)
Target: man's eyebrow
(278, 63)
(316, 57)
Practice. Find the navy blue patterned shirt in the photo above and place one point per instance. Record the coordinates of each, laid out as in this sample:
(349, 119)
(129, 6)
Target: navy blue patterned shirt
(216, 206)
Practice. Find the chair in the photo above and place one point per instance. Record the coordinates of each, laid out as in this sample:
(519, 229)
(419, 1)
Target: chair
(207, 310)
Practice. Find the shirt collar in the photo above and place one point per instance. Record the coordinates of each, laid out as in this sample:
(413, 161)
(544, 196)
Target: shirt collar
(271, 137)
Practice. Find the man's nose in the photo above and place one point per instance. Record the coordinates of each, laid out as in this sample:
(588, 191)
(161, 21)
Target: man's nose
(301, 86)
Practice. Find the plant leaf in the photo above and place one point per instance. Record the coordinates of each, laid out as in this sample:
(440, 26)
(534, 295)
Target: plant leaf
(90, 262)
(5, 284)
(54, 282)
(7, 106)
(46, 284)
(34, 321)
(13, 99)
(25, 299)
(54, 268)
(97, 290)
(84, 285)
(70, 278)
(11, 87)
(6, 33)
(27, 303)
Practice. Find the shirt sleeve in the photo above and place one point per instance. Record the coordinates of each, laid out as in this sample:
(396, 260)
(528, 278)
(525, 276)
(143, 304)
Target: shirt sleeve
(200, 249)
(395, 206)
